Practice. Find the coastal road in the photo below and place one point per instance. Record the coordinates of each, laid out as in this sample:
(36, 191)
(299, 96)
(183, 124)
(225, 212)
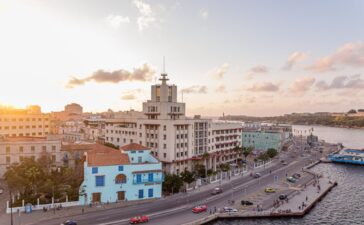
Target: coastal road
(177, 209)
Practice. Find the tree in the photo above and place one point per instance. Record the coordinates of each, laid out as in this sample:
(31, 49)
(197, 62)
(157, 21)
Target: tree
(263, 157)
(205, 157)
(200, 170)
(224, 167)
(271, 152)
(188, 176)
(172, 183)
(352, 111)
(247, 151)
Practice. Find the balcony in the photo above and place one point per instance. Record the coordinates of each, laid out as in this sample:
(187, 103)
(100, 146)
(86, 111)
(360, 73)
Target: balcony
(147, 181)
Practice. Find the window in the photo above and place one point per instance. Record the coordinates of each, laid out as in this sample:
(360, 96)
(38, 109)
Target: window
(53, 158)
(44, 148)
(141, 193)
(8, 159)
(132, 152)
(165, 155)
(21, 148)
(121, 168)
(7, 149)
(100, 181)
(53, 148)
(150, 177)
(150, 192)
(95, 170)
(140, 159)
(138, 178)
(120, 179)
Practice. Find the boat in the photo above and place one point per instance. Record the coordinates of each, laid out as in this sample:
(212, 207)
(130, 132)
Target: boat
(351, 156)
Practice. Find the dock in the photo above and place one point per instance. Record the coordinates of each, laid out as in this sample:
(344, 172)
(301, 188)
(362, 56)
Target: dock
(298, 205)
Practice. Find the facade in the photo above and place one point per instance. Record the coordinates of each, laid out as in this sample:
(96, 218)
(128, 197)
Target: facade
(175, 139)
(273, 136)
(25, 122)
(111, 175)
(13, 149)
(73, 108)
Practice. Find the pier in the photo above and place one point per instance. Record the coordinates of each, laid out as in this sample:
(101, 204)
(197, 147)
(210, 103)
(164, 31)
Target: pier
(299, 204)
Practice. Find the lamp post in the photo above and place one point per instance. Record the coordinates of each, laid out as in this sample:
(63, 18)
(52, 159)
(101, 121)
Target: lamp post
(11, 208)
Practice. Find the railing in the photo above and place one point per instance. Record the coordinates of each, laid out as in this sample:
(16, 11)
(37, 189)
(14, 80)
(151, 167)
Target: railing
(146, 181)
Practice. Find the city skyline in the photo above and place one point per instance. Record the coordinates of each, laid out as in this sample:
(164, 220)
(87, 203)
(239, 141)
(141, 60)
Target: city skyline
(247, 58)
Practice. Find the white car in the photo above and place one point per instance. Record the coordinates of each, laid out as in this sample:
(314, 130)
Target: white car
(1, 190)
(229, 209)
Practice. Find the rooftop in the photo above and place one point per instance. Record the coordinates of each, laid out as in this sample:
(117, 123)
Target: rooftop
(133, 147)
(101, 155)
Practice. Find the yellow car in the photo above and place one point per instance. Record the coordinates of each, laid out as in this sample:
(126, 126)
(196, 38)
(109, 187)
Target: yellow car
(269, 190)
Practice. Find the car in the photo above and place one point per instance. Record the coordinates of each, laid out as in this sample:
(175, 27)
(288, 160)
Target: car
(69, 222)
(229, 209)
(269, 190)
(245, 202)
(199, 209)
(1, 190)
(291, 179)
(257, 175)
(216, 191)
(139, 219)
(296, 176)
(282, 196)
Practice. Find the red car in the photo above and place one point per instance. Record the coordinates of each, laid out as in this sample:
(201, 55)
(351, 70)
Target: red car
(199, 209)
(139, 219)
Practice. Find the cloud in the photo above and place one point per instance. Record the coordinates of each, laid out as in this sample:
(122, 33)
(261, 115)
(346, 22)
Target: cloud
(264, 87)
(294, 59)
(350, 54)
(257, 70)
(302, 85)
(146, 15)
(131, 95)
(143, 73)
(220, 72)
(342, 82)
(221, 89)
(115, 20)
(204, 13)
(195, 89)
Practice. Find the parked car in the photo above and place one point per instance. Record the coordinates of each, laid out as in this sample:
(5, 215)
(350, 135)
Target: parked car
(216, 191)
(69, 222)
(270, 190)
(291, 179)
(282, 196)
(139, 219)
(229, 209)
(1, 190)
(257, 175)
(244, 202)
(199, 209)
(296, 176)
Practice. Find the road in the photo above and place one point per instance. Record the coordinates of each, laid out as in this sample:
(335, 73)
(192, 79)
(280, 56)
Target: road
(177, 209)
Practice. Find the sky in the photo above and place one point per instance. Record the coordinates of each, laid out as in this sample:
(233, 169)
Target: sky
(254, 58)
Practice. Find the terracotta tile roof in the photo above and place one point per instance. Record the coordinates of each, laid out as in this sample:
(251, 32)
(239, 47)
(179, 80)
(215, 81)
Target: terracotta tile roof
(134, 146)
(102, 155)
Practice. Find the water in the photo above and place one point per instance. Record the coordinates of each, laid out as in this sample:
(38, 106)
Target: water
(350, 138)
(344, 205)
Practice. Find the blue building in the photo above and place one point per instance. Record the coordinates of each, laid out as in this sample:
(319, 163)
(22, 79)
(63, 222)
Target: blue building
(128, 174)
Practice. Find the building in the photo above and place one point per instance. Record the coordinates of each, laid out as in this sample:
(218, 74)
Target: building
(14, 149)
(73, 108)
(111, 175)
(24, 122)
(276, 136)
(175, 139)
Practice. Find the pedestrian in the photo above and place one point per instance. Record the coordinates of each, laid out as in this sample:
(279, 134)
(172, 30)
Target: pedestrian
(215, 209)
(306, 198)
(83, 210)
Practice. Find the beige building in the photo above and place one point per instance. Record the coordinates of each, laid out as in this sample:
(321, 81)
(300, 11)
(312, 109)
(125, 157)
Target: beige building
(13, 149)
(24, 122)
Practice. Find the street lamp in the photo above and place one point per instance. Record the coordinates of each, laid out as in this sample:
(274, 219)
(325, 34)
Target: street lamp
(11, 208)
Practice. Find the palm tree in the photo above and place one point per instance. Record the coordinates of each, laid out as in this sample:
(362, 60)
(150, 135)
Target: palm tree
(205, 157)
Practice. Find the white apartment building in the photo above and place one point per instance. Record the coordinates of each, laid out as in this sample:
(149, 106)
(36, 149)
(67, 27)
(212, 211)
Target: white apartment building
(25, 122)
(13, 149)
(176, 140)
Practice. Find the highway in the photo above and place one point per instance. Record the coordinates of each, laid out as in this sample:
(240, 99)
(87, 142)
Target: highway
(177, 209)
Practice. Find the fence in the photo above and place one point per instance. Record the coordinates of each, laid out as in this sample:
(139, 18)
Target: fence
(40, 206)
